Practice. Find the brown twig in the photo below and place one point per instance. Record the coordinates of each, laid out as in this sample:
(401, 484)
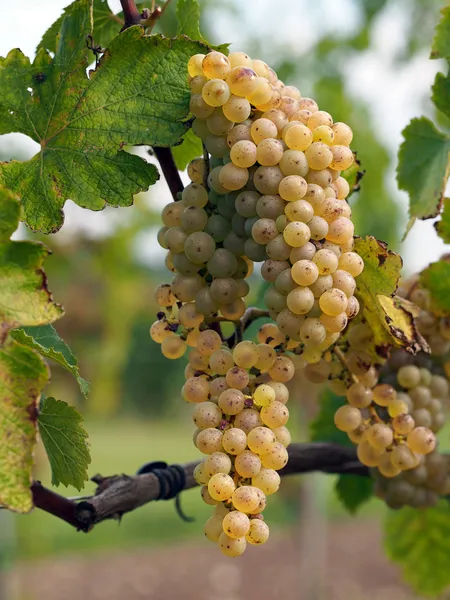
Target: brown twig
(170, 171)
(120, 494)
(131, 13)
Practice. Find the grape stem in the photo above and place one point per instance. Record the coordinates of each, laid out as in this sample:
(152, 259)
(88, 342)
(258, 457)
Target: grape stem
(120, 494)
(251, 314)
(170, 171)
(131, 13)
(207, 167)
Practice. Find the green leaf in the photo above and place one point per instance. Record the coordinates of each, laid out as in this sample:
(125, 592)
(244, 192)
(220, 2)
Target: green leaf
(9, 214)
(23, 374)
(188, 16)
(137, 95)
(440, 48)
(106, 26)
(441, 93)
(24, 296)
(353, 175)
(353, 491)
(190, 148)
(65, 441)
(322, 428)
(45, 339)
(419, 540)
(436, 278)
(443, 226)
(423, 168)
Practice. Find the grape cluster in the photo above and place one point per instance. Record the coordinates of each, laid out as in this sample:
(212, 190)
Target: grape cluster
(277, 162)
(435, 328)
(269, 190)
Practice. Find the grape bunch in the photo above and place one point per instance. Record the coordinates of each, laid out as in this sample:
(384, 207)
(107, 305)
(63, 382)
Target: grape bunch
(277, 162)
(435, 328)
(268, 189)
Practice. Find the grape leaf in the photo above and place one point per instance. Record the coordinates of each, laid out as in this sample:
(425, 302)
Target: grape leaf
(190, 148)
(322, 428)
(188, 16)
(440, 47)
(65, 441)
(353, 175)
(391, 320)
(423, 168)
(10, 211)
(137, 95)
(46, 341)
(24, 296)
(443, 226)
(419, 540)
(106, 25)
(353, 491)
(441, 93)
(436, 278)
(23, 374)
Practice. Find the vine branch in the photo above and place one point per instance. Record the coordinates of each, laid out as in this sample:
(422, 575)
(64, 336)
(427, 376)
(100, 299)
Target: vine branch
(120, 494)
(131, 13)
(169, 169)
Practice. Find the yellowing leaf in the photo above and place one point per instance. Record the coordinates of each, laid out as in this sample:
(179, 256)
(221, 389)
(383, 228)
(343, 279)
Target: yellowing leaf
(399, 322)
(23, 374)
(380, 276)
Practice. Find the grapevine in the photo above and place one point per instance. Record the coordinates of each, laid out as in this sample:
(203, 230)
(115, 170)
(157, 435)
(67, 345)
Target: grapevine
(269, 200)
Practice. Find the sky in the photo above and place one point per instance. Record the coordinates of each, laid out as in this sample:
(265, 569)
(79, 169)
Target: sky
(394, 94)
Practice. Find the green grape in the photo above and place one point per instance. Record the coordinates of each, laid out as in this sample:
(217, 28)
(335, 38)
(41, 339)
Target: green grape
(173, 347)
(231, 401)
(269, 152)
(217, 462)
(236, 524)
(408, 376)
(175, 238)
(264, 231)
(245, 354)
(293, 162)
(299, 210)
(196, 389)
(267, 179)
(263, 395)
(232, 177)
(199, 475)
(199, 247)
(347, 418)
(199, 108)
(304, 272)
(300, 300)
(342, 158)
(209, 342)
(267, 480)
(217, 123)
(239, 132)
(368, 455)
(222, 263)
(215, 92)
(164, 296)
(262, 129)
(245, 204)
(213, 528)
(159, 330)
(237, 109)
(234, 440)
(246, 498)
(276, 458)
(195, 194)
(297, 137)
(359, 396)
(193, 219)
(380, 436)
(282, 370)
(267, 356)
(235, 244)
(204, 302)
(215, 65)
(421, 440)
(217, 227)
(229, 546)
(217, 146)
(207, 414)
(274, 300)
(221, 361)
(275, 414)
(233, 310)
(221, 487)
(340, 231)
(352, 263)
(292, 188)
(278, 249)
(318, 228)
(236, 377)
(243, 154)
(247, 420)
(403, 457)
(312, 332)
(247, 464)
(333, 302)
(344, 281)
(284, 283)
(278, 118)
(297, 234)
(258, 532)
(242, 81)
(343, 135)
(209, 440)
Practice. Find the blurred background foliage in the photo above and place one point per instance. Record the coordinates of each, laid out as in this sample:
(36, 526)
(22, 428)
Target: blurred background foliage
(106, 281)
